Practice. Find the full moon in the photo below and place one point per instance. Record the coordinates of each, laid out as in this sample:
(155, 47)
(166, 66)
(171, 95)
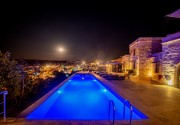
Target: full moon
(61, 49)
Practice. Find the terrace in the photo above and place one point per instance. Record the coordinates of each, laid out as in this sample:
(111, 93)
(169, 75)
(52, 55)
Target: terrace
(160, 103)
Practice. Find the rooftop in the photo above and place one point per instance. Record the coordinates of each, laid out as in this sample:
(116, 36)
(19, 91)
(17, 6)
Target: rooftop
(171, 37)
(145, 39)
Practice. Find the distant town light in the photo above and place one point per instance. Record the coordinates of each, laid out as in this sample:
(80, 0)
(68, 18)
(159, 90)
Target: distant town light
(78, 67)
(47, 65)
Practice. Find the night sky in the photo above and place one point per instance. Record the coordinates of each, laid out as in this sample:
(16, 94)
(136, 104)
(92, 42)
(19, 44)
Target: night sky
(88, 31)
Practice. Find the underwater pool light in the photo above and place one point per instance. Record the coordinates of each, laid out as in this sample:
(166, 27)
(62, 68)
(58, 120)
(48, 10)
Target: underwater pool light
(59, 92)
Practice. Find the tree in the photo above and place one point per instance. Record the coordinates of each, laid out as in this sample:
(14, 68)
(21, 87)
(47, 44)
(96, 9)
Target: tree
(12, 77)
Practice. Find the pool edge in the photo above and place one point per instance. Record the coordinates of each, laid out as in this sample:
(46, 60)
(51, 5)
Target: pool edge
(34, 105)
(103, 81)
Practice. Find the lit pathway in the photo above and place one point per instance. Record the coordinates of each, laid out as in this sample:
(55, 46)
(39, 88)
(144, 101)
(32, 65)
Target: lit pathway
(159, 102)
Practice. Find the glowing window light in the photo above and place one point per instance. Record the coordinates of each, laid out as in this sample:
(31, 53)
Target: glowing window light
(169, 82)
(94, 80)
(82, 77)
(104, 90)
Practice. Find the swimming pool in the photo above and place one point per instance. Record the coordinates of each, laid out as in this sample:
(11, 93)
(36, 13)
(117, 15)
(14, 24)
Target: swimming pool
(82, 97)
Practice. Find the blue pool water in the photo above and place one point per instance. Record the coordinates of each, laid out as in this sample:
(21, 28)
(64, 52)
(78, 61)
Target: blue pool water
(82, 97)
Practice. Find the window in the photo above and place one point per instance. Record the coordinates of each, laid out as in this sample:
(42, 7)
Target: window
(134, 65)
(157, 67)
(134, 52)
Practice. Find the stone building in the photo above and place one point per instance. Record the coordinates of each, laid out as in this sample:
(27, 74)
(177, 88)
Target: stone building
(155, 68)
(114, 66)
(126, 63)
(156, 58)
(171, 59)
(141, 50)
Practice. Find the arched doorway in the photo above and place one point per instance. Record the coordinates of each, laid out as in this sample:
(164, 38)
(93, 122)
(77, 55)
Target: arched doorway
(177, 75)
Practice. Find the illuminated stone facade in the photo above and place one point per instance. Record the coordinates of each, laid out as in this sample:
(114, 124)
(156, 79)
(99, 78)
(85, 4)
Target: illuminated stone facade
(141, 51)
(155, 68)
(157, 59)
(126, 63)
(171, 59)
(114, 66)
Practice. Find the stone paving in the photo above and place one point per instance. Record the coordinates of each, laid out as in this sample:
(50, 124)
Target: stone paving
(160, 103)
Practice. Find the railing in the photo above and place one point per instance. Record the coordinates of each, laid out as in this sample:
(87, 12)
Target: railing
(4, 103)
(131, 109)
(114, 109)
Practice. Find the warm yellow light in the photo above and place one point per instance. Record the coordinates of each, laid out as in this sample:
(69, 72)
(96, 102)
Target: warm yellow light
(137, 72)
(83, 62)
(97, 63)
(78, 67)
(150, 74)
(169, 82)
(47, 66)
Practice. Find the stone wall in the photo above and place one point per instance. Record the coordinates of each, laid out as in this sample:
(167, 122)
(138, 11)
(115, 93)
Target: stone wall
(144, 54)
(126, 62)
(156, 68)
(144, 48)
(170, 57)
